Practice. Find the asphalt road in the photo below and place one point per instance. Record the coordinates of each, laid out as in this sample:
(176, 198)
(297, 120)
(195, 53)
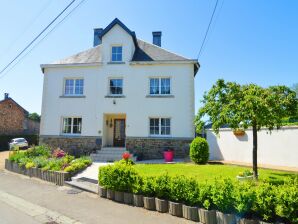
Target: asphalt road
(34, 201)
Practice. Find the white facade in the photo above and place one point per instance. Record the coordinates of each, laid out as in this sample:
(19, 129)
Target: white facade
(96, 106)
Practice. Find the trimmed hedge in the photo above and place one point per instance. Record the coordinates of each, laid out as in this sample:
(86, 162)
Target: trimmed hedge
(5, 139)
(199, 151)
(248, 199)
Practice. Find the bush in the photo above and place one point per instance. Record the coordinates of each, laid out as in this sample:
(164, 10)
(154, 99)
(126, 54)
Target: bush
(58, 153)
(40, 161)
(119, 177)
(223, 195)
(287, 200)
(162, 186)
(16, 156)
(245, 196)
(205, 196)
(264, 205)
(35, 151)
(148, 186)
(199, 151)
(177, 189)
(192, 192)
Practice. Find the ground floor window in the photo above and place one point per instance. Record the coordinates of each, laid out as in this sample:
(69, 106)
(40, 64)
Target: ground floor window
(160, 126)
(72, 125)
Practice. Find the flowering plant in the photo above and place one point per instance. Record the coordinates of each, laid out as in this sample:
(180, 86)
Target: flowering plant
(58, 153)
(245, 173)
(126, 156)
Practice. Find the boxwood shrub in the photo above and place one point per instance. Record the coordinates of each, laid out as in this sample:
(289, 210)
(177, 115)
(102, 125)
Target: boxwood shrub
(199, 151)
(248, 199)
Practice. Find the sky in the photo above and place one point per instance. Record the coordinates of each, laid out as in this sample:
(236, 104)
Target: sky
(249, 41)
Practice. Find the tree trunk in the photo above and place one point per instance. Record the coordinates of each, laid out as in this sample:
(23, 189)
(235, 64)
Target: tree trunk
(255, 151)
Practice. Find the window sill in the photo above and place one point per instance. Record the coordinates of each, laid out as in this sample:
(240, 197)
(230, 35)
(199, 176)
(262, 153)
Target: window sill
(116, 63)
(114, 96)
(160, 96)
(70, 135)
(160, 136)
(72, 96)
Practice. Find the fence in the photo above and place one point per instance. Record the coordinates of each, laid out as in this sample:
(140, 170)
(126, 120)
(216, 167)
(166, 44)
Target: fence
(279, 148)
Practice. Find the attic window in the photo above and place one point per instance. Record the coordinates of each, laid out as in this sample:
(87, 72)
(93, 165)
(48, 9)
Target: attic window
(10, 105)
(116, 53)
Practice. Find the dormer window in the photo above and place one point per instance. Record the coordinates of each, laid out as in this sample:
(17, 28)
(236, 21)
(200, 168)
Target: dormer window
(116, 53)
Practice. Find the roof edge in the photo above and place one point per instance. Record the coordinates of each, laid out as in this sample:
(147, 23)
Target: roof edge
(43, 66)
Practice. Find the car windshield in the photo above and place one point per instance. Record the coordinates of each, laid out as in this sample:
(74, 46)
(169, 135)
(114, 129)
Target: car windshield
(20, 140)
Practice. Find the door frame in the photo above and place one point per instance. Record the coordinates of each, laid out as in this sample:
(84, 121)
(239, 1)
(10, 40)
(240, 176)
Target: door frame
(114, 128)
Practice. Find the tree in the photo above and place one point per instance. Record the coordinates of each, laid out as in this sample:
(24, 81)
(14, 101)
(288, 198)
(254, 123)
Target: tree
(295, 88)
(244, 106)
(34, 117)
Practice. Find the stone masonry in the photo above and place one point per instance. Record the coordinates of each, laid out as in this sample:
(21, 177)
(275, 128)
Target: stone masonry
(74, 145)
(152, 148)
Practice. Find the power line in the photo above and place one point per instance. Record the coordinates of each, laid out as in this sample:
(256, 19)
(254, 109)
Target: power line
(27, 27)
(37, 36)
(56, 25)
(208, 28)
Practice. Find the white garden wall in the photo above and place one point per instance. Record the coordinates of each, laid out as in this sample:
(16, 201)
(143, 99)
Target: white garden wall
(280, 148)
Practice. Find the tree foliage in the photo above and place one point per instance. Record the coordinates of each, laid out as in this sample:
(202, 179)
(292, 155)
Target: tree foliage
(34, 117)
(242, 106)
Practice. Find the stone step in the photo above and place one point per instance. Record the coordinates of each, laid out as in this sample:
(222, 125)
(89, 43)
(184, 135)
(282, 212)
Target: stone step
(112, 150)
(107, 158)
(83, 184)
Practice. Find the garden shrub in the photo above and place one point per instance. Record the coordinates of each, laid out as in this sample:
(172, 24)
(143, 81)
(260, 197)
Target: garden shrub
(245, 196)
(40, 161)
(16, 156)
(119, 177)
(286, 197)
(148, 186)
(199, 151)
(223, 195)
(42, 150)
(264, 205)
(192, 192)
(205, 196)
(177, 186)
(162, 186)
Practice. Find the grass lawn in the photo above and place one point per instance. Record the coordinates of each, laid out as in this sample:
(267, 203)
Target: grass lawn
(209, 172)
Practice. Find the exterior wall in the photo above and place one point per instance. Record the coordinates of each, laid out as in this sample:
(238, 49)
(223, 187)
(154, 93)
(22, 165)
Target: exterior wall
(74, 145)
(135, 103)
(152, 148)
(12, 118)
(278, 148)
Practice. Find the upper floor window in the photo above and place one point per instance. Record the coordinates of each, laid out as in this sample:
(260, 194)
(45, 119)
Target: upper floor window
(72, 125)
(116, 86)
(117, 53)
(74, 87)
(160, 126)
(160, 86)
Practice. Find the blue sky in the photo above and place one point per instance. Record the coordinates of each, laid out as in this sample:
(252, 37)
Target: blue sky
(249, 42)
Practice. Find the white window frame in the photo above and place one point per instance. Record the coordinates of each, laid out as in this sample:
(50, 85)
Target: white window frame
(109, 86)
(71, 125)
(74, 86)
(117, 45)
(159, 127)
(159, 86)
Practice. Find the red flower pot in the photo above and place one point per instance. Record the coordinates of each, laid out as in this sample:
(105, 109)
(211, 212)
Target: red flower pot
(168, 156)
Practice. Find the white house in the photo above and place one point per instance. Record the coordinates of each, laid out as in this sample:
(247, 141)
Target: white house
(123, 92)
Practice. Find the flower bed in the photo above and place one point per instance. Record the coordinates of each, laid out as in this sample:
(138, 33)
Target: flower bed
(41, 162)
(218, 201)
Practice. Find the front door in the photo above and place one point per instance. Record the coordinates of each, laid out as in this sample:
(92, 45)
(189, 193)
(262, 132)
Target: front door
(119, 132)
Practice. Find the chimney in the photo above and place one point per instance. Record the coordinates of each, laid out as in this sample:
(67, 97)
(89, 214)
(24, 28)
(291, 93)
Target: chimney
(6, 96)
(157, 38)
(97, 40)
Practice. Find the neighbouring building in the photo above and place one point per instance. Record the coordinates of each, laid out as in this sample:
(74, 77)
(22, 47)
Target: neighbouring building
(124, 92)
(14, 119)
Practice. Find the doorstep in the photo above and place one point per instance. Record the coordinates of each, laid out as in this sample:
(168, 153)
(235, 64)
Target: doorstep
(84, 184)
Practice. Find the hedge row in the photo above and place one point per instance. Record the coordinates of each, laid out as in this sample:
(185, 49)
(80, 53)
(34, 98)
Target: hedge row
(5, 139)
(248, 199)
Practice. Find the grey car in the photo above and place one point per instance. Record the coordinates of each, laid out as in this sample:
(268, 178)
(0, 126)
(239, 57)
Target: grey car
(20, 143)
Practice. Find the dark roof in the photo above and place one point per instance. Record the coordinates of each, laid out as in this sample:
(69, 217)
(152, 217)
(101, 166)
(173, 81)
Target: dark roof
(144, 51)
(18, 105)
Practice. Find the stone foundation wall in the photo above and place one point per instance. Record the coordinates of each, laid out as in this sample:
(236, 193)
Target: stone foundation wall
(152, 148)
(74, 145)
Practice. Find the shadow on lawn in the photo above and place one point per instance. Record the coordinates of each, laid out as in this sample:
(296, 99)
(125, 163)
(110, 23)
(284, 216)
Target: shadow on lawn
(279, 178)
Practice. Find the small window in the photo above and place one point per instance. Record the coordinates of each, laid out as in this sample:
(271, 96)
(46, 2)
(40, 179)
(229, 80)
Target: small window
(160, 126)
(117, 53)
(160, 86)
(116, 86)
(74, 87)
(72, 125)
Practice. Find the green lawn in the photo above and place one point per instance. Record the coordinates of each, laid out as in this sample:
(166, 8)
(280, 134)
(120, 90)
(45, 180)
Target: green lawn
(209, 172)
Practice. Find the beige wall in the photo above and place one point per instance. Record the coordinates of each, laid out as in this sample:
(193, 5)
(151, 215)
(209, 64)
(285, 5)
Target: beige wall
(278, 148)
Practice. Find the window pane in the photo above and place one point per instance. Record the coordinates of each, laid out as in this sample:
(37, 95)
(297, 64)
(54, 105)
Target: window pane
(69, 86)
(79, 88)
(117, 53)
(77, 125)
(66, 125)
(116, 86)
(154, 126)
(154, 86)
(165, 86)
(165, 126)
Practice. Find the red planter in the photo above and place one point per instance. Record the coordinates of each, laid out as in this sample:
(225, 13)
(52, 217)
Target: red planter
(168, 156)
